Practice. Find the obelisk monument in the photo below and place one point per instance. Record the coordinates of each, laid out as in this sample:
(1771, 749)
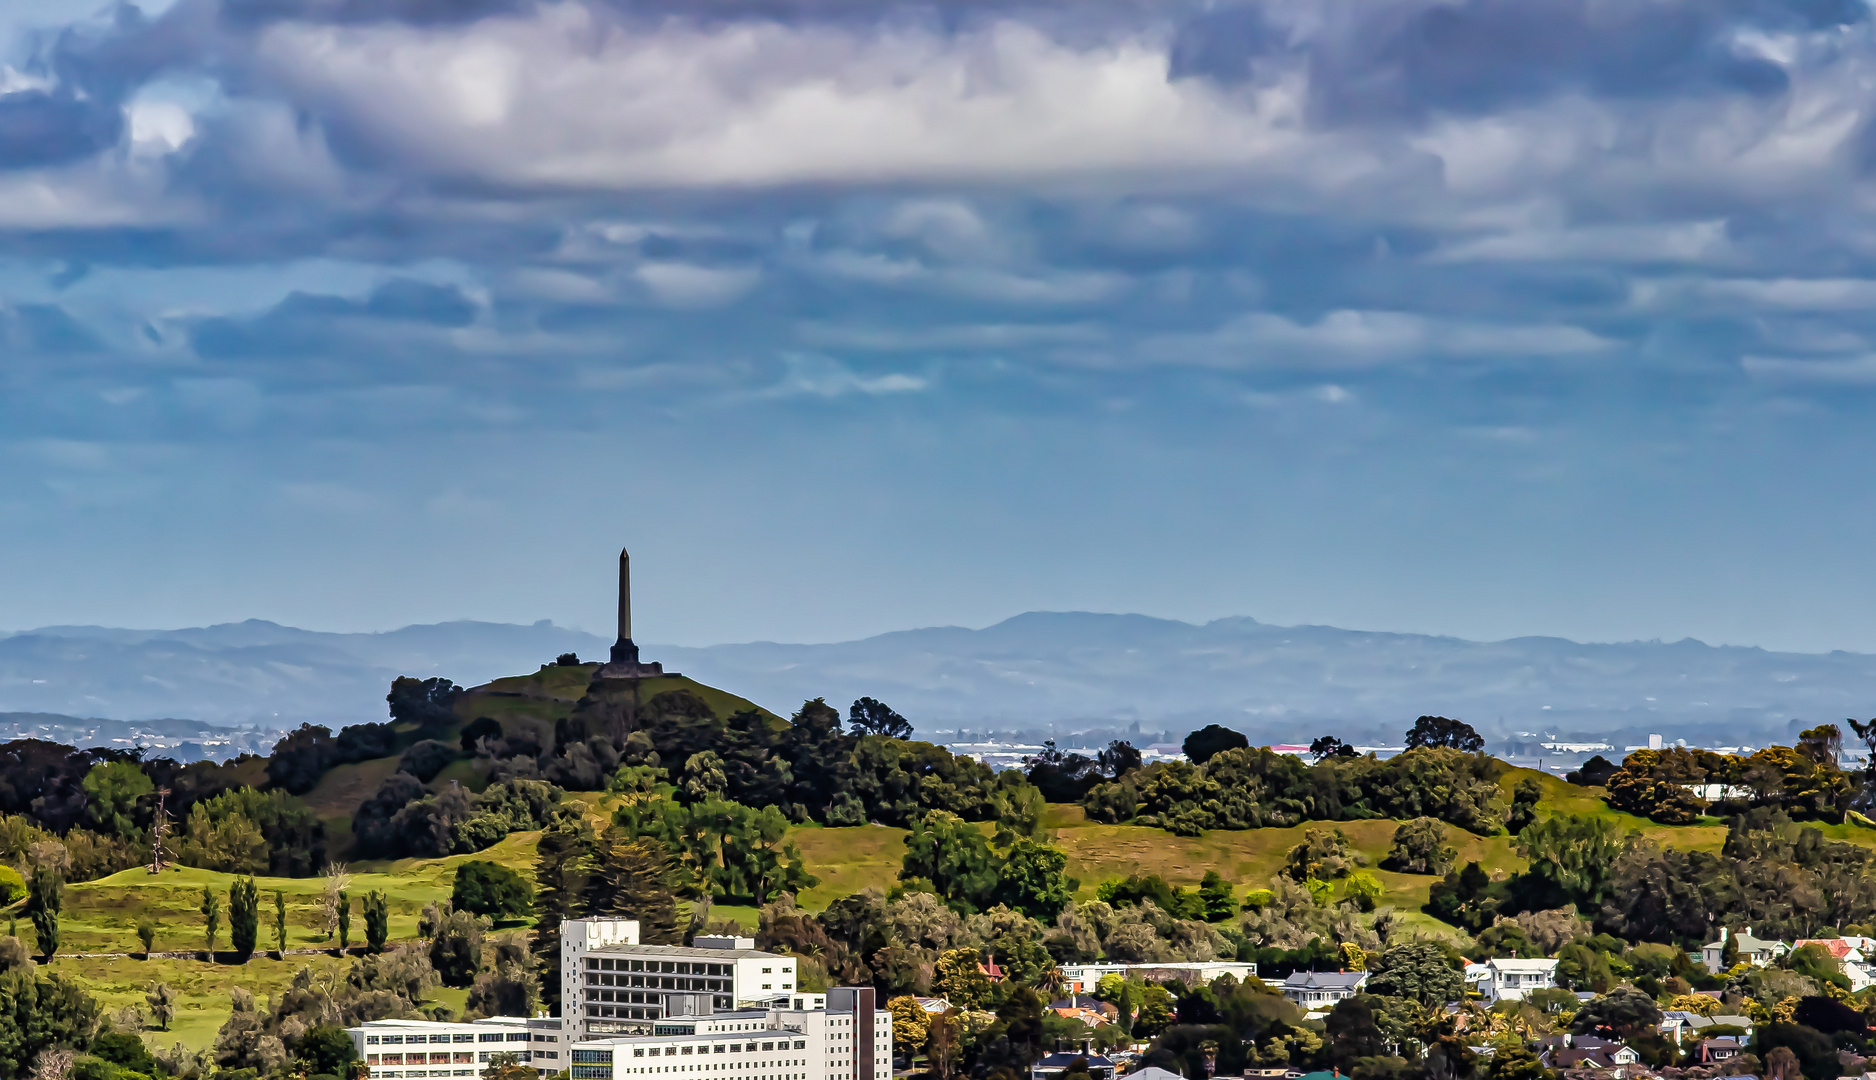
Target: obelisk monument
(624, 662)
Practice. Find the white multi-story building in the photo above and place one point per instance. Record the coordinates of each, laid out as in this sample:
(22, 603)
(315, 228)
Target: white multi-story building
(612, 985)
(399, 1049)
(851, 1039)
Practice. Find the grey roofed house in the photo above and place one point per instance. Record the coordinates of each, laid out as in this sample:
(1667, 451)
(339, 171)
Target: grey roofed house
(1309, 988)
(1753, 950)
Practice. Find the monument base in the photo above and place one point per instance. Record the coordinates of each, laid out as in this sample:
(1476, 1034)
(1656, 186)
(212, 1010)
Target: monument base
(624, 664)
(631, 670)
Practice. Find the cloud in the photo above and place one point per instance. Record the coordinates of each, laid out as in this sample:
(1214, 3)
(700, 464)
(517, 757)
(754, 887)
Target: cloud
(686, 285)
(821, 376)
(1355, 339)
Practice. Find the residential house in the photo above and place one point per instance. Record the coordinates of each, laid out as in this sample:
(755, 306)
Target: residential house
(1677, 1024)
(1721, 1048)
(1089, 1010)
(1754, 951)
(1851, 953)
(1056, 1065)
(991, 970)
(1511, 979)
(1321, 989)
(1585, 1052)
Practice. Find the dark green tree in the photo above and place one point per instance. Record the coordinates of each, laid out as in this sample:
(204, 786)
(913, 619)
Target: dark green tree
(377, 920)
(456, 946)
(244, 916)
(211, 918)
(45, 899)
(345, 921)
(1572, 859)
(1420, 848)
(869, 717)
(1446, 732)
(280, 922)
(634, 877)
(113, 792)
(491, 889)
(1420, 971)
(1220, 903)
(562, 868)
(1524, 799)
(1211, 740)
(326, 1050)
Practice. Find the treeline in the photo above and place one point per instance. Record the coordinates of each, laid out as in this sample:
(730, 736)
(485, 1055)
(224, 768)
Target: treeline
(1672, 786)
(1254, 788)
(1782, 878)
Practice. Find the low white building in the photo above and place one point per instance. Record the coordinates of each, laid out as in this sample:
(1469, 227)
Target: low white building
(1082, 978)
(399, 1049)
(849, 1040)
(1507, 979)
(1322, 989)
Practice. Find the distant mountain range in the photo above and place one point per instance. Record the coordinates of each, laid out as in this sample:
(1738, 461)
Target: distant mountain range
(1037, 672)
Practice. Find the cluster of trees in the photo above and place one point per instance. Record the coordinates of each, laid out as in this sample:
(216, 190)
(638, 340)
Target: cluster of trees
(1804, 781)
(1781, 877)
(403, 819)
(1249, 788)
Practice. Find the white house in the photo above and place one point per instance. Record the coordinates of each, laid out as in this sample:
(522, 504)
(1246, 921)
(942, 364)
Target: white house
(1320, 989)
(1509, 979)
(1081, 978)
(1757, 952)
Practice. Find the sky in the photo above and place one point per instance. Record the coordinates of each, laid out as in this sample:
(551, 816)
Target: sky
(1484, 318)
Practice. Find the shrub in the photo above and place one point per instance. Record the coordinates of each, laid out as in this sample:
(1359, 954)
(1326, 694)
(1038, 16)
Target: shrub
(487, 888)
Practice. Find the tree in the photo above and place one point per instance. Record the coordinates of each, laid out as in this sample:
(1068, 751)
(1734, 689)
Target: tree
(910, 1024)
(491, 889)
(567, 659)
(562, 869)
(1623, 1012)
(1420, 848)
(112, 792)
(960, 977)
(211, 918)
(1220, 903)
(280, 923)
(1034, 880)
(1211, 740)
(1119, 759)
(482, 727)
(325, 1049)
(1441, 731)
(456, 946)
(426, 758)
(1350, 1031)
(1328, 746)
(44, 901)
(345, 921)
(377, 920)
(1419, 971)
(1324, 855)
(941, 1043)
(146, 933)
(869, 717)
(244, 916)
(633, 878)
(1524, 799)
(1574, 857)
(337, 880)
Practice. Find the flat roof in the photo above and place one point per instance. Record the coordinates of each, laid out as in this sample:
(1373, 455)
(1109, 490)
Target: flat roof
(686, 951)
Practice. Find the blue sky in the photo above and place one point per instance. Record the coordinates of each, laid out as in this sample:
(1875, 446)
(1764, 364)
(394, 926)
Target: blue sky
(1490, 317)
